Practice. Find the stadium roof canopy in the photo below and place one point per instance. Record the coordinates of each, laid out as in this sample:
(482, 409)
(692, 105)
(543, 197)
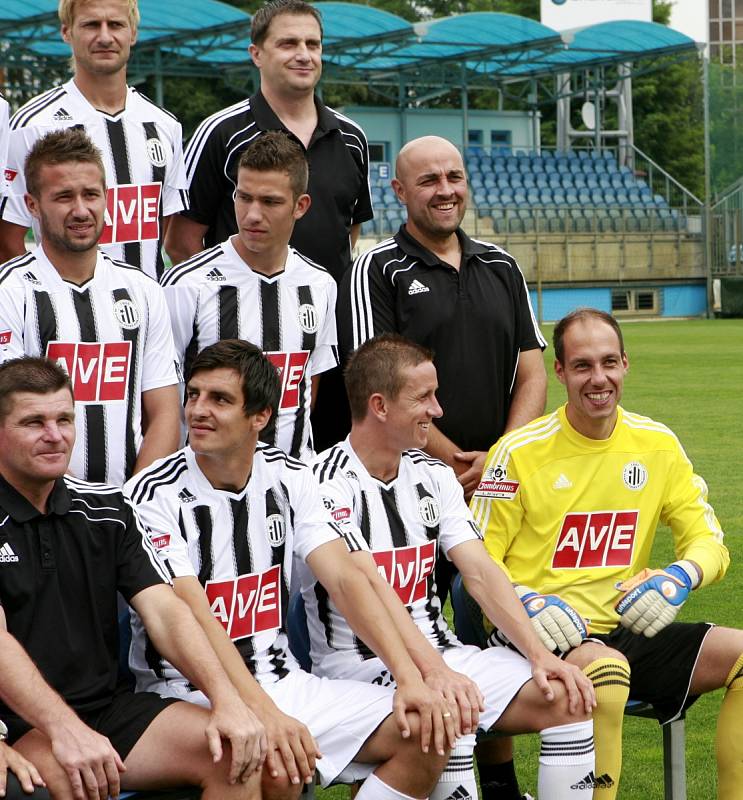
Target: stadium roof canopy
(361, 45)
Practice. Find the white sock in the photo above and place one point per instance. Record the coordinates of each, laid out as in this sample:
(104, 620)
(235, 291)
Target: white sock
(457, 781)
(375, 789)
(566, 761)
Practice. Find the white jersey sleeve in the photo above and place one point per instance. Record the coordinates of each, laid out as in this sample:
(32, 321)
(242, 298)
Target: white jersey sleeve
(12, 302)
(457, 523)
(4, 134)
(325, 354)
(313, 523)
(14, 206)
(175, 188)
(160, 367)
(160, 519)
(182, 300)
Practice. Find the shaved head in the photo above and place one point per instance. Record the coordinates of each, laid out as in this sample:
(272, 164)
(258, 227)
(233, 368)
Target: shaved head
(431, 182)
(423, 148)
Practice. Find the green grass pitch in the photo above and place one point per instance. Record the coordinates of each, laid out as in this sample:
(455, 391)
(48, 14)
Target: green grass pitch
(689, 375)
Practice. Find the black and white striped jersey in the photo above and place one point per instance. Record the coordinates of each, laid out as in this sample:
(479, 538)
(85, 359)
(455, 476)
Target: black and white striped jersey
(143, 156)
(404, 522)
(113, 337)
(240, 546)
(291, 316)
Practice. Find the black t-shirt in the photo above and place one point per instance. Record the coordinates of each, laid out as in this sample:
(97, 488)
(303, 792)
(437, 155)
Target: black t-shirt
(476, 320)
(338, 158)
(59, 573)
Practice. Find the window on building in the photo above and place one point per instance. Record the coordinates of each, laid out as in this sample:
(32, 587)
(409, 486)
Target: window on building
(378, 151)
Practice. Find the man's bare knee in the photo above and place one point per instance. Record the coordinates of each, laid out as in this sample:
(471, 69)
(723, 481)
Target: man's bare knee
(36, 747)
(592, 651)
(279, 787)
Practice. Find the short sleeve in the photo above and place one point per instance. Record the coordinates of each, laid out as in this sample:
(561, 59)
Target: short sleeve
(325, 354)
(138, 564)
(456, 524)
(13, 207)
(175, 191)
(159, 354)
(207, 184)
(313, 523)
(362, 210)
(12, 303)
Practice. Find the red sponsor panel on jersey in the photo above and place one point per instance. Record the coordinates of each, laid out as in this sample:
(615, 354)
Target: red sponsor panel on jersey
(99, 370)
(132, 213)
(160, 540)
(596, 539)
(341, 514)
(10, 174)
(6, 337)
(291, 368)
(407, 569)
(248, 604)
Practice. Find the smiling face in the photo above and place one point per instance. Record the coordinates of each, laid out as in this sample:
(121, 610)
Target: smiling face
(36, 438)
(592, 372)
(290, 56)
(409, 415)
(431, 181)
(101, 36)
(70, 206)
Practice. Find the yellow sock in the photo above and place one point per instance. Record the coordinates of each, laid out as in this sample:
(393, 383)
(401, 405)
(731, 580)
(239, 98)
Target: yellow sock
(610, 678)
(729, 742)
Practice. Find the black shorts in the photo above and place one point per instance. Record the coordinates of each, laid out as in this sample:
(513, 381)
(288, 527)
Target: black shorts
(123, 720)
(661, 666)
(14, 790)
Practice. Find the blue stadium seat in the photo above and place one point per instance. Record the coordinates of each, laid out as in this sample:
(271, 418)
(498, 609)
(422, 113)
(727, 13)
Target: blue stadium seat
(515, 178)
(486, 165)
(491, 180)
(475, 181)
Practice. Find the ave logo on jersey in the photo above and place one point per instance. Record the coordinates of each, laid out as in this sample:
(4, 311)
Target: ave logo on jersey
(132, 213)
(291, 367)
(596, 539)
(407, 569)
(99, 370)
(248, 604)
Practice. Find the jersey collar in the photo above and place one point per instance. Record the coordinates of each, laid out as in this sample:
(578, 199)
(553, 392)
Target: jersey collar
(21, 510)
(415, 249)
(267, 119)
(584, 442)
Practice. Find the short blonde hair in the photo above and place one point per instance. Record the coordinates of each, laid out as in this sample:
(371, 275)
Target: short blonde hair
(66, 11)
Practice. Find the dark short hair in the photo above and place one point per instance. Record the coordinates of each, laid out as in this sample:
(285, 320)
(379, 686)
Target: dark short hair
(377, 366)
(580, 315)
(260, 381)
(30, 374)
(275, 151)
(263, 17)
(60, 147)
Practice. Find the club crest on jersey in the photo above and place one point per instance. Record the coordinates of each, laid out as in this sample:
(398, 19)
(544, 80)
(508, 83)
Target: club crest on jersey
(634, 475)
(99, 371)
(127, 314)
(275, 529)
(248, 604)
(156, 152)
(596, 539)
(291, 367)
(132, 213)
(308, 320)
(407, 570)
(428, 509)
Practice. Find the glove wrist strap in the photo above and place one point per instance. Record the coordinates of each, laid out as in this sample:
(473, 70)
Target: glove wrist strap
(686, 572)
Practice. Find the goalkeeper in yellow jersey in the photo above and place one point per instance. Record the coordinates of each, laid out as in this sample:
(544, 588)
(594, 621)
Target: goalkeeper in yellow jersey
(569, 505)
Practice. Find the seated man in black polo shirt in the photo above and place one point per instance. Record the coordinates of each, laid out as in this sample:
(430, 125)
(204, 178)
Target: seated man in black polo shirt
(66, 546)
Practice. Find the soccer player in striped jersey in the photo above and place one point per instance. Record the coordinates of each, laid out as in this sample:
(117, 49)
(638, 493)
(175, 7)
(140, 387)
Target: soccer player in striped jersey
(254, 286)
(409, 509)
(66, 547)
(105, 321)
(231, 517)
(140, 142)
(569, 506)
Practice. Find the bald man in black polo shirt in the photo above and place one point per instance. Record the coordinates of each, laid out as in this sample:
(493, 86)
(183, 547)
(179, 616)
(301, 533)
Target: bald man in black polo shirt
(66, 546)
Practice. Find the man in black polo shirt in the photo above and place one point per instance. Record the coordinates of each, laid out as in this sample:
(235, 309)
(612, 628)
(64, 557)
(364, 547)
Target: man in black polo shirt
(464, 299)
(286, 47)
(66, 546)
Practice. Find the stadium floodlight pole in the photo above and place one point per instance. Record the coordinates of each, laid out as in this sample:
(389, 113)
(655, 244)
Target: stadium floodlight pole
(707, 184)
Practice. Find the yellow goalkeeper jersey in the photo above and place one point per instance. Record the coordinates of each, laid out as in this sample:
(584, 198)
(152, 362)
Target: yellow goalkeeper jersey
(572, 516)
